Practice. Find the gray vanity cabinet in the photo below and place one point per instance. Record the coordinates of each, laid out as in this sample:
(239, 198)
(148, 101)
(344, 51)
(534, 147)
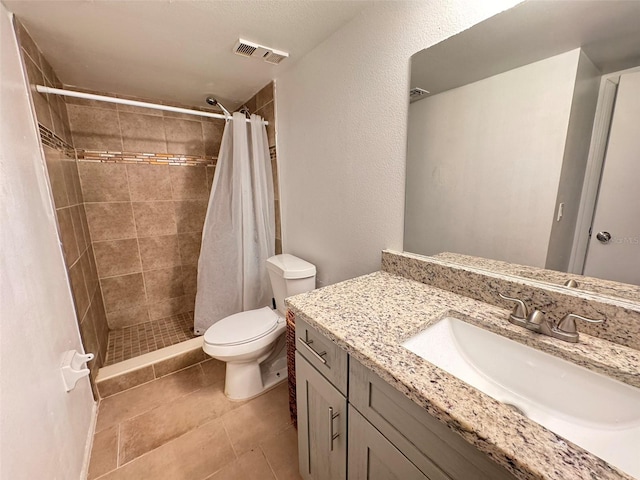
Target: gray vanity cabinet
(373, 457)
(388, 435)
(322, 425)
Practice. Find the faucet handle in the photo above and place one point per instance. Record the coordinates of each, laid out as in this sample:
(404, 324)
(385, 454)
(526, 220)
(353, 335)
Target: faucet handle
(519, 313)
(568, 322)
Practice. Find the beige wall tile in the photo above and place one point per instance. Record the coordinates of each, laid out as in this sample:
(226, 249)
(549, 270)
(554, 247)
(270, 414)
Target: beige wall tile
(125, 291)
(72, 180)
(167, 307)
(276, 180)
(95, 128)
(159, 252)
(131, 403)
(103, 182)
(154, 218)
(278, 222)
(142, 133)
(149, 182)
(264, 96)
(56, 176)
(67, 236)
(267, 112)
(79, 289)
(211, 171)
(190, 278)
(188, 183)
(48, 72)
(104, 453)
(85, 224)
(134, 109)
(163, 283)
(90, 277)
(212, 133)
(278, 246)
(184, 136)
(128, 317)
(184, 360)
(190, 247)
(117, 257)
(90, 338)
(100, 322)
(190, 215)
(251, 104)
(77, 228)
(189, 302)
(89, 103)
(125, 381)
(27, 43)
(40, 100)
(110, 221)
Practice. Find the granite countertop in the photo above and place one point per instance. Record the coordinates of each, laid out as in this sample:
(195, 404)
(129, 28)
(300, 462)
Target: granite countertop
(370, 316)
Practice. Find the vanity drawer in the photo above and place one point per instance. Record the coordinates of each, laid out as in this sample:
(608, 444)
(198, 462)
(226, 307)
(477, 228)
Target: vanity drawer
(419, 436)
(329, 359)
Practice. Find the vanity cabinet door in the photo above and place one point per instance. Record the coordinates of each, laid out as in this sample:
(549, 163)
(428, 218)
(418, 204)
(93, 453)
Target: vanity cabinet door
(322, 425)
(373, 457)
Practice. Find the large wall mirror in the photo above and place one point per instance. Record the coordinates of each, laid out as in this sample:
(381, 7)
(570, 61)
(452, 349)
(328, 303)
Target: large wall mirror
(529, 138)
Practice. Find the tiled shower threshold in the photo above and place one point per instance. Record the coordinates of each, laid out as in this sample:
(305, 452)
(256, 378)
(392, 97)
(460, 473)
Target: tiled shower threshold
(182, 351)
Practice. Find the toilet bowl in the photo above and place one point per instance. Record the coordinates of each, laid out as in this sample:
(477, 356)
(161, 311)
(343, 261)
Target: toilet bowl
(252, 342)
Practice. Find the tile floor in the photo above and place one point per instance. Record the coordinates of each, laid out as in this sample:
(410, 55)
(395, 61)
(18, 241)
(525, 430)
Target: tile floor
(129, 342)
(182, 426)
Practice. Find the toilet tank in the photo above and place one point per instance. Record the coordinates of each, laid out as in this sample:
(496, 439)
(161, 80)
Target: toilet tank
(290, 276)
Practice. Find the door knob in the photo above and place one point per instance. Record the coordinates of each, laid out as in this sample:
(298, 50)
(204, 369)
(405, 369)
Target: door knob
(603, 237)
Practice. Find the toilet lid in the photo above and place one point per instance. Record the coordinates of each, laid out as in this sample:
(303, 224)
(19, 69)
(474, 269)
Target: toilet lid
(242, 327)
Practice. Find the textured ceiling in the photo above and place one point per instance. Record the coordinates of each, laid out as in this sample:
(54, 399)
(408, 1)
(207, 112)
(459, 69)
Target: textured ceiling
(176, 51)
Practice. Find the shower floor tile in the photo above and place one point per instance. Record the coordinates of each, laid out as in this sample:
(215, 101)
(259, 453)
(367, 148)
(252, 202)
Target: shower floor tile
(130, 342)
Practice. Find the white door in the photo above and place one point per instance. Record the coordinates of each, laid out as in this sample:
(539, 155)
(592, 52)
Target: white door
(614, 247)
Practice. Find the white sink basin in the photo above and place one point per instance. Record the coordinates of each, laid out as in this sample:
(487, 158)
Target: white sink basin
(598, 413)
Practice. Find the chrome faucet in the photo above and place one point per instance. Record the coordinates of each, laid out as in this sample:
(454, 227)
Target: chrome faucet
(537, 321)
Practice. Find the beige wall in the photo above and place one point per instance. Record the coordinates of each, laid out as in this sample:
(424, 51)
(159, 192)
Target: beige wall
(342, 120)
(45, 429)
(484, 163)
(67, 195)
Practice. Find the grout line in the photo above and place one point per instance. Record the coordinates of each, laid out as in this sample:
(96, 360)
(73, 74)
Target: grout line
(264, 454)
(118, 446)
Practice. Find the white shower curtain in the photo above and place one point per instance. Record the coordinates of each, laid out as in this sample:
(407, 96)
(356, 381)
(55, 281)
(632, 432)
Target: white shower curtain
(239, 229)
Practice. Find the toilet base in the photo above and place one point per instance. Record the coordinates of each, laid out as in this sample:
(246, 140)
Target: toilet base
(245, 381)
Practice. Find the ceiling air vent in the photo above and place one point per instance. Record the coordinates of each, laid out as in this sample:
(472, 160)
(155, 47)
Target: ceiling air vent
(245, 48)
(275, 57)
(417, 93)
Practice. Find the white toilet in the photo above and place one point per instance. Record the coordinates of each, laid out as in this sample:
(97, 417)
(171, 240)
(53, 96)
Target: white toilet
(252, 343)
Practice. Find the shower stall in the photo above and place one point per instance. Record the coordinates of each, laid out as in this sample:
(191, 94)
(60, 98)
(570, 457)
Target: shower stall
(130, 183)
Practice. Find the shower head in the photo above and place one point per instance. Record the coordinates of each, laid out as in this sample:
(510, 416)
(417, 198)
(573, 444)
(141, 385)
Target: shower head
(215, 103)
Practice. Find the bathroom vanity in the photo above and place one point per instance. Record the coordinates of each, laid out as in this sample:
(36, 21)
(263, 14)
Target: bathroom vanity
(370, 408)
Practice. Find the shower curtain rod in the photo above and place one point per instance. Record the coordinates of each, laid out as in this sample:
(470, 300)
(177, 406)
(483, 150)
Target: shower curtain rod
(135, 103)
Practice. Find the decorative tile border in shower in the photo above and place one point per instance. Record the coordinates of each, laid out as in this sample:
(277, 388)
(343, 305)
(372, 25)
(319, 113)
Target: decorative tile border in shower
(51, 140)
(145, 158)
